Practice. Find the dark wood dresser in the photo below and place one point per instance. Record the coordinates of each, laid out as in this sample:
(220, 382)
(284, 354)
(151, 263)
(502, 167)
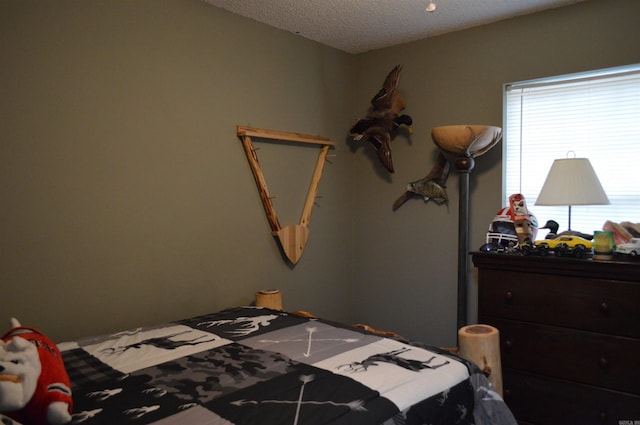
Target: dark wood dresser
(569, 336)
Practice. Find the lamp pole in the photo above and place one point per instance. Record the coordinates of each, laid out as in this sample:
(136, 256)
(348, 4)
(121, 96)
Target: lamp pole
(464, 165)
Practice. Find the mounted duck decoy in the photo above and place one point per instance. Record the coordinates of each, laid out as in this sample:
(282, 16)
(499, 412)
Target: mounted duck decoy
(383, 119)
(431, 187)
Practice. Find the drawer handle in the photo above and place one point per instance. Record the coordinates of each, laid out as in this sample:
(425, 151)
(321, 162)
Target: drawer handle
(604, 363)
(508, 296)
(508, 344)
(602, 416)
(604, 307)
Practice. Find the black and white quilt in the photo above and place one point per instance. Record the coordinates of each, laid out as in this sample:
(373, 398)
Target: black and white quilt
(250, 365)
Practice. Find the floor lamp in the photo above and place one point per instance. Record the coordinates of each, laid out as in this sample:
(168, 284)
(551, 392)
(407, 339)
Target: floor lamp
(464, 142)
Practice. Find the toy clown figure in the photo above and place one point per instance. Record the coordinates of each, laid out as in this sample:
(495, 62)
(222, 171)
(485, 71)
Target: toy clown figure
(34, 385)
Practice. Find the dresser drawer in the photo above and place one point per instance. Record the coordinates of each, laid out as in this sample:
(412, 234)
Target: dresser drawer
(543, 401)
(592, 304)
(585, 357)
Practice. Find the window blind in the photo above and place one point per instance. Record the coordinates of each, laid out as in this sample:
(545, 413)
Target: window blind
(592, 115)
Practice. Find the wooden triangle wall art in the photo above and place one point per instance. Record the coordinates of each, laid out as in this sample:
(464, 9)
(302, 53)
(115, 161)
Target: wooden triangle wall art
(292, 238)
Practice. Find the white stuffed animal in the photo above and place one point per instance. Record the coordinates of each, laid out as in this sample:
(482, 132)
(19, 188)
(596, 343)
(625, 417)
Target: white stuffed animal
(34, 385)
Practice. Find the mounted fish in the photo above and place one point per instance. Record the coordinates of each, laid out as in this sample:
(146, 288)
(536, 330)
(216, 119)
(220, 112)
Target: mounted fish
(431, 187)
(383, 120)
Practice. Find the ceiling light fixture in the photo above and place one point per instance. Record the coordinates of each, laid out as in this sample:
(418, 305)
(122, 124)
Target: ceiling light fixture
(431, 6)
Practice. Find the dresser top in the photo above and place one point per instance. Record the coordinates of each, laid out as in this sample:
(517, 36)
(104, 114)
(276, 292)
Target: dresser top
(610, 269)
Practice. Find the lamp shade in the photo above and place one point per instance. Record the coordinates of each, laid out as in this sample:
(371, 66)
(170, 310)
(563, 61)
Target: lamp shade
(572, 181)
(472, 140)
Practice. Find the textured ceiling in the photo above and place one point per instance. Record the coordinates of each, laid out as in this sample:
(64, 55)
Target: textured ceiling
(356, 26)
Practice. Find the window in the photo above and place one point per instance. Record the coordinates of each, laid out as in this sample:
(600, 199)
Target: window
(595, 115)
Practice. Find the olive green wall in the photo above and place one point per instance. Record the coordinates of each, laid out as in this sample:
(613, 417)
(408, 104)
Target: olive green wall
(127, 199)
(409, 256)
(126, 195)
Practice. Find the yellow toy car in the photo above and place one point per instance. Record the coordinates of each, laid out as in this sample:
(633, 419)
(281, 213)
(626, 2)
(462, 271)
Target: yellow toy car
(564, 245)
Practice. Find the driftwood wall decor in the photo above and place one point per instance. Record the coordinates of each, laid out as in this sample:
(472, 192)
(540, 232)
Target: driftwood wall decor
(292, 238)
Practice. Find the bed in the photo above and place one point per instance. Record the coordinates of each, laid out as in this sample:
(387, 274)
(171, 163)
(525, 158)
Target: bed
(254, 365)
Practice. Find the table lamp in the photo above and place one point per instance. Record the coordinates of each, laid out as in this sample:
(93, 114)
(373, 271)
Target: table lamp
(572, 181)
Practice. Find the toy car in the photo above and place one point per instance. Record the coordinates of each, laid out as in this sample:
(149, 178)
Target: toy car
(564, 246)
(630, 248)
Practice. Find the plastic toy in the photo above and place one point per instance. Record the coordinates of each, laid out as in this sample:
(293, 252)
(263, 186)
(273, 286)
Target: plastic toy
(631, 248)
(561, 246)
(512, 226)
